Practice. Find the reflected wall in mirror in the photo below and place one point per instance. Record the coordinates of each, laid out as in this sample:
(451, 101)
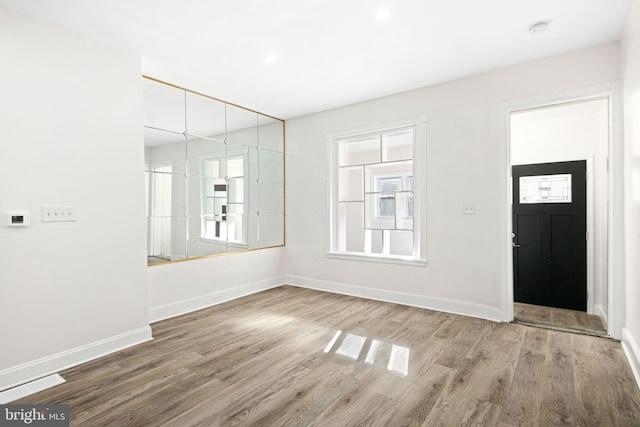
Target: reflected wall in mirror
(214, 175)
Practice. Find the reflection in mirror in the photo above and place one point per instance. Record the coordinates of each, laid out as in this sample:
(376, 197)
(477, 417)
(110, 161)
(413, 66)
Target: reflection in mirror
(242, 126)
(270, 134)
(165, 148)
(166, 243)
(205, 117)
(164, 107)
(271, 230)
(271, 198)
(214, 176)
(271, 166)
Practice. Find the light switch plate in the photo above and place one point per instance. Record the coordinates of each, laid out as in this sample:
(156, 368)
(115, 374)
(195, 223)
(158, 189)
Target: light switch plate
(469, 209)
(58, 213)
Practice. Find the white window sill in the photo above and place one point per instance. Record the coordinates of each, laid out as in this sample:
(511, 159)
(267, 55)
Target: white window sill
(377, 258)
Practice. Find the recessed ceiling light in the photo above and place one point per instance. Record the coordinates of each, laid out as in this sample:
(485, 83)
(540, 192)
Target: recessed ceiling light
(383, 14)
(270, 58)
(539, 27)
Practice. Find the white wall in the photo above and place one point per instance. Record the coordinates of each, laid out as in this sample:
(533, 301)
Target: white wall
(630, 70)
(463, 166)
(70, 114)
(573, 131)
(181, 287)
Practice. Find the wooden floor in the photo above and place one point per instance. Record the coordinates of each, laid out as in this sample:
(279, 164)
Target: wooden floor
(270, 359)
(559, 318)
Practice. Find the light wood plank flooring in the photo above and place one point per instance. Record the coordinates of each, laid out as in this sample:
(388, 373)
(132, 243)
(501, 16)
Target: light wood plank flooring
(559, 318)
(268, 360)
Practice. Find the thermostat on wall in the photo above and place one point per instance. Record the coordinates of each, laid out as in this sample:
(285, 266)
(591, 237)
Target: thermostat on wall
(16, 219)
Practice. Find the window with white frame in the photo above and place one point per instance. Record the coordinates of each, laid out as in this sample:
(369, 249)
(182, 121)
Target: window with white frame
(378, 193)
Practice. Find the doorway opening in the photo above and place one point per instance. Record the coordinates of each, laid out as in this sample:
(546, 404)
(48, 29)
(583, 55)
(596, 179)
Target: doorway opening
(559, 156)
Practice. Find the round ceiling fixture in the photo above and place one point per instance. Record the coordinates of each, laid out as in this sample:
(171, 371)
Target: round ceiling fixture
(383, 14)
(270, 58)
(539, 27)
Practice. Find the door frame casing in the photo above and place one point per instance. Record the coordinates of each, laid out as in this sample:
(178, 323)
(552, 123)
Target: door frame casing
(615, 197)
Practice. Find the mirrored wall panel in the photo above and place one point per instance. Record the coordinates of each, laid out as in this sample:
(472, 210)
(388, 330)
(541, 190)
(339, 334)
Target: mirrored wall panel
(214, 175)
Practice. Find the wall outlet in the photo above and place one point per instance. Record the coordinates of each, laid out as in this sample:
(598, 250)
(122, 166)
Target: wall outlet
(58, 213)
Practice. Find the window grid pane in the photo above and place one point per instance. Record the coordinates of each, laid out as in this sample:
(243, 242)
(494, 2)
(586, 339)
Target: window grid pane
(397, 145)
(360, 152)
(351, 184)
(545, 189)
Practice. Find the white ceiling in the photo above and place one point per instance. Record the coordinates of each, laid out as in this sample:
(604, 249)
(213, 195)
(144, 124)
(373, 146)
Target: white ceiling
(330, 52)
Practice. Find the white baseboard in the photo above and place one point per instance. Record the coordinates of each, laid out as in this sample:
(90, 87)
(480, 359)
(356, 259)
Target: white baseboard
(632, 351)
(30, 388)
(187, 306)
(602, 314)
(421, 301)
(57, 362)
